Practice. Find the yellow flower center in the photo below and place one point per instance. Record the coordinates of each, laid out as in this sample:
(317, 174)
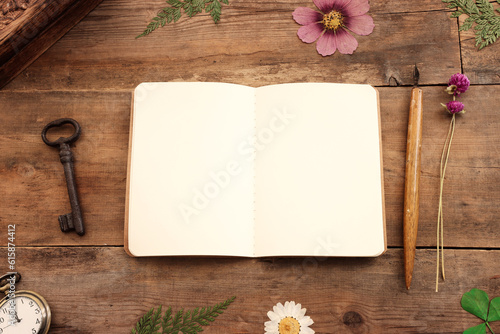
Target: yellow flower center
(332, 20)
(289, 325)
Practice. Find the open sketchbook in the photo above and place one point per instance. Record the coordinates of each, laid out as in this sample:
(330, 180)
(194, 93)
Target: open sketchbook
(229, 170)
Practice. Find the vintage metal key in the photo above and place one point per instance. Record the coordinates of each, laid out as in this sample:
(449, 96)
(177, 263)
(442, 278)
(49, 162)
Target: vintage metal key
(73, 220)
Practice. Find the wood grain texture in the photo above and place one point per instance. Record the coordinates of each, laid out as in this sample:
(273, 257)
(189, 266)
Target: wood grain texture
(34, 191)
(94, 287)
(255, 44)
(11, 10)
(33, 26)
(103, 290)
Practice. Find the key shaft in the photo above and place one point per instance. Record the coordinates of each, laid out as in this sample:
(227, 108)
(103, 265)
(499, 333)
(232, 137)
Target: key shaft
(66, 157)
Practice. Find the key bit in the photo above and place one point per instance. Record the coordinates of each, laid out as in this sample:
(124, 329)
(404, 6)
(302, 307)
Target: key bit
(66, 222)
(74, 220)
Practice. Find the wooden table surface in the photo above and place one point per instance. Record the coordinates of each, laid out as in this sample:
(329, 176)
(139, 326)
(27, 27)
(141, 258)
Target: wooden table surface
(93, 286)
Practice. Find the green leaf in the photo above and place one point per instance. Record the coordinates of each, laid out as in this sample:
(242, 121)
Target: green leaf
(175, 3)
(479, 329)
(190, 8)
(215, 10)
(177, 14)
(186, 323)
(149, 323)
(476, 302)
(481, 13)
(494, 311)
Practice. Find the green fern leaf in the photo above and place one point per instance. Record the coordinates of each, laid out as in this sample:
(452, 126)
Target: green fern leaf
(190, 322)
(214, 8)
(150, 323)
(482, 14)
(190, 8)
(175, 3)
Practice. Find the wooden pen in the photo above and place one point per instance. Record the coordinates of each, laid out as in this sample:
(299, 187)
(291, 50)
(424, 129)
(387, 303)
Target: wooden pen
(412, 178)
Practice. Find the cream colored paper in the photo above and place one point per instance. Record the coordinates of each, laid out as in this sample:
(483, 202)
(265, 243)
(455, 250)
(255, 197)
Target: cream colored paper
(184, 139)
(318, 183)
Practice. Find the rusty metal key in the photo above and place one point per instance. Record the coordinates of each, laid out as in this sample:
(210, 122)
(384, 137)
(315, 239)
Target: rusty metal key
(73, 220)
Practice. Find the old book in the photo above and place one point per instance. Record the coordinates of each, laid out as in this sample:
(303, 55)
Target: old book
(220, 169)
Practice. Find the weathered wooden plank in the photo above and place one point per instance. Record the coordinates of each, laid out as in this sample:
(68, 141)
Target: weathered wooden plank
(102, 290)
(403, 6)
(29, 27)
(480, 66)
(34, 191)
(255, 43)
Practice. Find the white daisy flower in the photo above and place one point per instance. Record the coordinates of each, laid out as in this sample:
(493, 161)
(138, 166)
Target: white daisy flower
(288, 319)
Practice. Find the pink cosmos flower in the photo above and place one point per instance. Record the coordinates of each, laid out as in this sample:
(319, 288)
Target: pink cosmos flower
(454, 107)
(459, 83)
(330, 26)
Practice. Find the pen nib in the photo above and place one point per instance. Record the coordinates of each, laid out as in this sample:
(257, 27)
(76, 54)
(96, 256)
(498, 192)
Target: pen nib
(416, 76)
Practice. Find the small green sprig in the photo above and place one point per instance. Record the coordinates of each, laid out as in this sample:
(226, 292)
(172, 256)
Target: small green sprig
(191, 8)
(186, 323)
(477, 302)
(482, 13)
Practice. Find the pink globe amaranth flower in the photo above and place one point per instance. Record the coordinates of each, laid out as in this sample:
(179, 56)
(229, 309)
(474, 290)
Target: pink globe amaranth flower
(330, 26)
(459, 83)
(455, 107)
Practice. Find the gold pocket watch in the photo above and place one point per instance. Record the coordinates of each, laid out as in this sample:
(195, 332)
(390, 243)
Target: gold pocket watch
(22, 311)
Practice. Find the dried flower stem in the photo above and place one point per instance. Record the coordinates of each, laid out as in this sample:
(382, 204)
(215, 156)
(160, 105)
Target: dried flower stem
(440, 223)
